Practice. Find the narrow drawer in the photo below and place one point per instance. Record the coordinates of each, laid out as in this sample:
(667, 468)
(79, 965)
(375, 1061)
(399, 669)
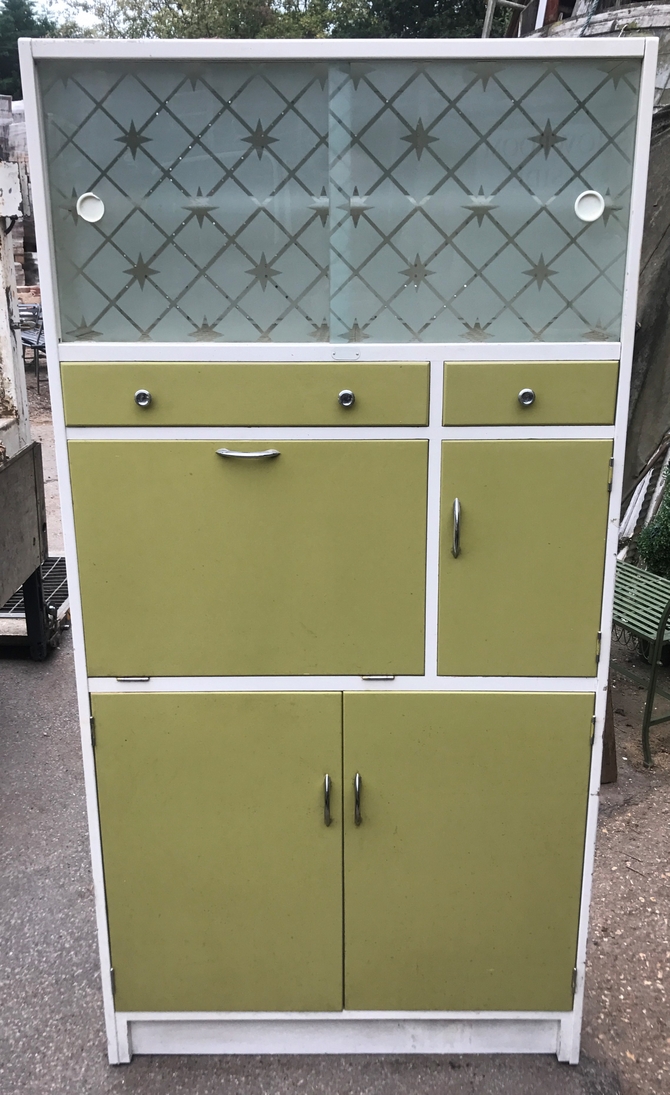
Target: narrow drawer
(245, 394)
(570, 393)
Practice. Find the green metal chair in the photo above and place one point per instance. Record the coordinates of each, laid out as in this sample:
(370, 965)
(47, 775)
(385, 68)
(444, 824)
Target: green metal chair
(642, 608)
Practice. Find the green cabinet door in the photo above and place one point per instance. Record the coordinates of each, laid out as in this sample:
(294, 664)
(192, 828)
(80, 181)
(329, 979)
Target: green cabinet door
(523, 597)
(223, 882)
(192, 563)
(462, 880)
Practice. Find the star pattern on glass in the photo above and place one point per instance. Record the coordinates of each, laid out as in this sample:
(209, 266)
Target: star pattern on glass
(485, 71)
(480, 205)
(419, 139)
(619, 70)
(547, 139)
(356, 70)
(597, 333)
(194, 73)
(320, 70)
(474, 332)
(140, 271)
(84, 332)
(320, 331)
(326, 126)
(133, 140)
(355, 333)
(540, 272)
(200, 205)
(263, 272)
(321, 205)
(206, 332)
(260, 139)
(356, 206)
(69, 206)
(417, 272)
(610, 207)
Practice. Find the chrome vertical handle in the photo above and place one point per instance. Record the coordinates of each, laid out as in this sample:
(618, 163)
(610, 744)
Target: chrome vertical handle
(327, 784)
(358, 783)
(456, 544)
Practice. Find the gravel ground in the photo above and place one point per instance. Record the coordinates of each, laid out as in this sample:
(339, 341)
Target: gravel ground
(626, 1018)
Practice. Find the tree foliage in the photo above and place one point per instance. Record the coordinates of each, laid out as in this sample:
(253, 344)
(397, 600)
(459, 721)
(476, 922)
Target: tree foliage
(653, 544)
(18, 19)
(287, 18)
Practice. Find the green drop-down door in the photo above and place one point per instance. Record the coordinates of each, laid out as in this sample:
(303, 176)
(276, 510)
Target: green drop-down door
(193, 563)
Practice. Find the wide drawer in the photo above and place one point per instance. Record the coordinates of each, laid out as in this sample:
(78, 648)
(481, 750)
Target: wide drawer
(224, 393)
(571, 393)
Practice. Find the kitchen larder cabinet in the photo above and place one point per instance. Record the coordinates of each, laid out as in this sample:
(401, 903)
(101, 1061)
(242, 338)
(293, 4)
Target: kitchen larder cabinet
(339, 339)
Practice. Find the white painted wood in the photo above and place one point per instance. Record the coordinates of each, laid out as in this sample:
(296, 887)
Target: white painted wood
(344, 1035)
(337, 433)
(424, 351)
(16, 432)
(40, 206)
(541, 12)
(319, 49)
(125, 1050)
(427, 683)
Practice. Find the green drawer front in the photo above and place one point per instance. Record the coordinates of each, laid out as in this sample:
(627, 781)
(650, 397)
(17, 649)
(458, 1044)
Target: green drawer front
(572, 393)
(217, 393)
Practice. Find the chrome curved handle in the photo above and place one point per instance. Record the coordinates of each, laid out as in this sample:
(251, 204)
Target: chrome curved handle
(456, 544)
(326, 799)
(266, 454)
(358, 783)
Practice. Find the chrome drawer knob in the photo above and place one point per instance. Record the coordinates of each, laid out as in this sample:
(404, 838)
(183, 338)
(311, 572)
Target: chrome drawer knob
(526, 397)
(143, 397)
(346, 398)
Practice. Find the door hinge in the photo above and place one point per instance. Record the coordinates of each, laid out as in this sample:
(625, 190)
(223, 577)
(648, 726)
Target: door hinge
(593, 729)
(599, 638)
(92, 721)
(574, 980)
(610, 475)
(112, 977)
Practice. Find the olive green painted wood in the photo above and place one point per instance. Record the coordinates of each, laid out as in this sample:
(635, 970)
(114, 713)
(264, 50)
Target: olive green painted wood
(272, 393)
(223, 884)
(190, 563)
(524, 595)
(462, 882)
(566, 393)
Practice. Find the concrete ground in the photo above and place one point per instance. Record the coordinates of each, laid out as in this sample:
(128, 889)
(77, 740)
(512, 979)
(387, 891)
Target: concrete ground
(51, 1035)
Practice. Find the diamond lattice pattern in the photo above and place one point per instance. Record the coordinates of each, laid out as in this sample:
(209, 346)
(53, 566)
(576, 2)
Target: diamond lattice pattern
(382, 201)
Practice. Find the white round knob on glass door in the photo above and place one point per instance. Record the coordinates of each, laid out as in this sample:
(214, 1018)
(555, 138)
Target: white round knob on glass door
(90, 207)
(589, 206)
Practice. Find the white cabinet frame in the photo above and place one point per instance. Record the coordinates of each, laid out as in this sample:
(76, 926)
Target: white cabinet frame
(346, 1032)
